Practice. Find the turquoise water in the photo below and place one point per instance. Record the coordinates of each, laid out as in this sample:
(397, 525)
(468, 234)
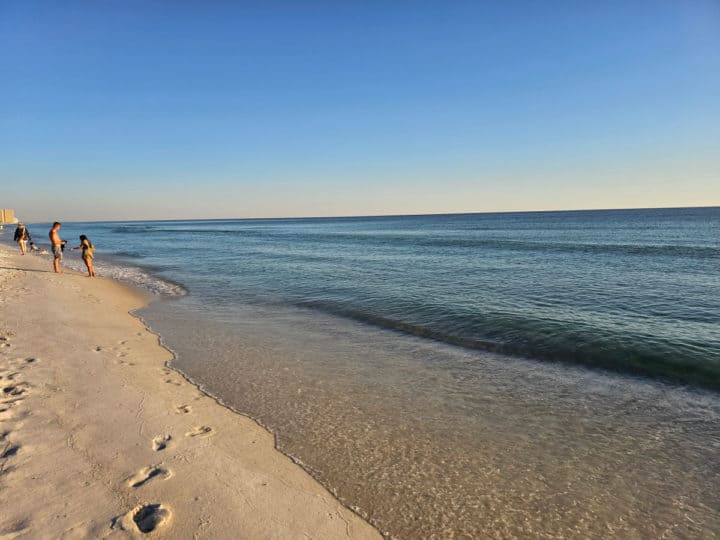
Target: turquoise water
(550, 373)
(634, 291)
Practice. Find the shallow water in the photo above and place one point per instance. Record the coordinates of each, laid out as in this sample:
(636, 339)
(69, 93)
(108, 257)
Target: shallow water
(431, 371)
(428, 440)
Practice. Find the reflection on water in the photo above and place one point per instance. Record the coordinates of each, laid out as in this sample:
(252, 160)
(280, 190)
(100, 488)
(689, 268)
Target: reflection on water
(432, 441)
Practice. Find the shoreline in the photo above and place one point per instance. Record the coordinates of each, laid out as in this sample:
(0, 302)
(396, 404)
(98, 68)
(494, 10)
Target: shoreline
(100, 437)
(221, 403)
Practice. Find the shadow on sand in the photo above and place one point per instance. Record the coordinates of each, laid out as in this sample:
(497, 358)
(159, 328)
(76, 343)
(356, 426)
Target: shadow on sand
(25, 269)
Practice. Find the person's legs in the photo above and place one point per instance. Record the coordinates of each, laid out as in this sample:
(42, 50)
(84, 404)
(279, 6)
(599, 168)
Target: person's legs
(89, 265)
(23, 246)
(57, 253)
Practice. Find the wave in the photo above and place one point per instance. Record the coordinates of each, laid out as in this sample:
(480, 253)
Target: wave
(132, 229)
(129, 254)
(132, 275)
(702, 252)
(577, 344)
(368, 239)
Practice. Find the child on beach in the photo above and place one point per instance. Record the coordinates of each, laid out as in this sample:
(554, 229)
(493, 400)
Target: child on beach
(88, 252)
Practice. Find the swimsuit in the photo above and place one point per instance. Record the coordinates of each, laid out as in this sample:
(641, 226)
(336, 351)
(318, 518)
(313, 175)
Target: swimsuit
(87, 251)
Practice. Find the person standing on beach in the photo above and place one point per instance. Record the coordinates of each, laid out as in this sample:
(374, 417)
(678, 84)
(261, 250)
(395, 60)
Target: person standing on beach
(58, 244)
(88, 252)
(22, 237)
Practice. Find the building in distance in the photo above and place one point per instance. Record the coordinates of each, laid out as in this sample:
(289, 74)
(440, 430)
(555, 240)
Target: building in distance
(7, 216)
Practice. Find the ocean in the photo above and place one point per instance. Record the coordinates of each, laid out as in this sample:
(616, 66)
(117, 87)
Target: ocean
(458, 376)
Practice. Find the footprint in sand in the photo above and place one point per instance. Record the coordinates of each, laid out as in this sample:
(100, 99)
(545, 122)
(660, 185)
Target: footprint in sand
(160, 442)
(9, 451)
(122, 351)
(170, 381)
(171, 375)
(30, 360)
(145, 518)
(15, 529)
(200, 431)
(98, 348)
(124, 363)
(184, 409)
(150, 517)
(147, 474)
(14, 390)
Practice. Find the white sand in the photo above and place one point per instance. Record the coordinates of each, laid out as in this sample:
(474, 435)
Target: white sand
(94, 427)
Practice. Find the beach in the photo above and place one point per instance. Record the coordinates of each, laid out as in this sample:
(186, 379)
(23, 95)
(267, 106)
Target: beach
(448, 272)
(474, 376)
(99, 438)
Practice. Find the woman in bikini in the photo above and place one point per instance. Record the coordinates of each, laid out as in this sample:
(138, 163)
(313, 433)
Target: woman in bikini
(88, 252)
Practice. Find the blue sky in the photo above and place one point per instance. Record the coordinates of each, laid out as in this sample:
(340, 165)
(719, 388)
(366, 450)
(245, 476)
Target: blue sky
(152, 110)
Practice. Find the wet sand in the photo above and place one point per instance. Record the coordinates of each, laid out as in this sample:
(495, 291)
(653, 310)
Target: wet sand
(100, 439)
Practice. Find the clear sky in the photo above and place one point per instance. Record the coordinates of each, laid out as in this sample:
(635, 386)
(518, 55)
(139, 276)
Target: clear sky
(156, 110)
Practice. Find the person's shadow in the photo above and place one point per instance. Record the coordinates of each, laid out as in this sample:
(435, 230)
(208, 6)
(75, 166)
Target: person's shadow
(25, 269)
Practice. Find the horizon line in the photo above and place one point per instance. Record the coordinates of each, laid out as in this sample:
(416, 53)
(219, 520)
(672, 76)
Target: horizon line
(361, 216)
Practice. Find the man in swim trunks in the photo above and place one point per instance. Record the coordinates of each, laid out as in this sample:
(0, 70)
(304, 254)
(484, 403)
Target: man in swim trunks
(57, 246)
